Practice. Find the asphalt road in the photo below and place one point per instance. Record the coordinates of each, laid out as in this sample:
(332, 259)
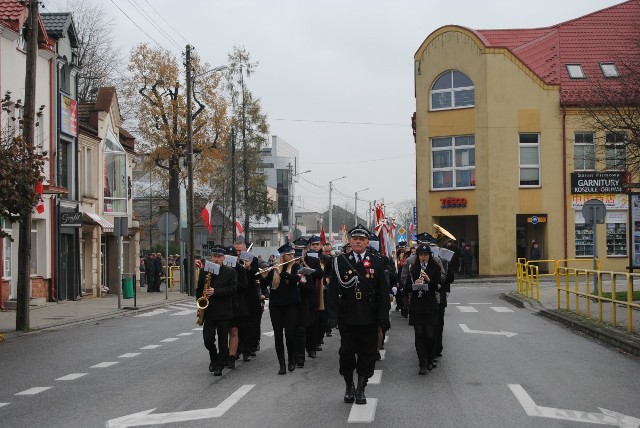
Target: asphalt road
(502, 367)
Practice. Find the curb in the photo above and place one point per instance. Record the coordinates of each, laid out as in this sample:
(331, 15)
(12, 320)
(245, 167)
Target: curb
(622, 341)
(125, 311)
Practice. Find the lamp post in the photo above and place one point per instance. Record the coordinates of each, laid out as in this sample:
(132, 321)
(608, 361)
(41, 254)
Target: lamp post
(292, 216)
(190, 200)
(355, 209)
(331, 208)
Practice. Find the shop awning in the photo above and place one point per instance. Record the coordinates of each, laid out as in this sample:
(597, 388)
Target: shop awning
(97, 219)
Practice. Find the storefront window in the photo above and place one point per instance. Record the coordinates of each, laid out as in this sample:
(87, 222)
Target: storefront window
(115, 176)
(584, 240)
(616, 239)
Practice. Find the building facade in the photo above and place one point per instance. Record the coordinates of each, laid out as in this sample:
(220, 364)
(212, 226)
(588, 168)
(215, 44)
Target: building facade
(501, 128)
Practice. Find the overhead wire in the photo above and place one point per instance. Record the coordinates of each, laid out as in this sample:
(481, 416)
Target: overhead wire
(136, 24)
(153, 22)
(341, 122)
(170, 26)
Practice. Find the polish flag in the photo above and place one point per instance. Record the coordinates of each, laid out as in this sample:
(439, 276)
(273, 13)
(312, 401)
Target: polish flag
(206, 215)
(40, 203)
(239, 228)
(323, 236)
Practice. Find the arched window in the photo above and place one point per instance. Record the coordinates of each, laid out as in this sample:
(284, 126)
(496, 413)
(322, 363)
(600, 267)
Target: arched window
(453, 89)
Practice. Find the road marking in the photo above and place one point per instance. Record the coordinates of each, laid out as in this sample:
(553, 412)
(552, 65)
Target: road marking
(383, 352)
(105, 364)
(185, 312)
(171, 339)
(452, 303)
(185, 334)
(495, 333)
(269, 333)
(4, 404)
(376, 378)
(151, 347)
(129, 355)
(198, 329)
(501, 309)
(148, 418)
(607, 417)
(152, 313)
(34, 391)
(187, 305)
(467, 309)
(481, 303)
(363, 413)
(72, 376)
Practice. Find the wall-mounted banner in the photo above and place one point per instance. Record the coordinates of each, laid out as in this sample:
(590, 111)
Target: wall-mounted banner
(611, 201)
(597, 182)
(68, 116)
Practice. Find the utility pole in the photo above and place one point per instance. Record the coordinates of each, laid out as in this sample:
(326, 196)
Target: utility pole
(331, 208)
(28, 129)
(190, 202)
(355, 214)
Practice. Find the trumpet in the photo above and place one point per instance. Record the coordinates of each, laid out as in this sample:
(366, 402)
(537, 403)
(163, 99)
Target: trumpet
(267, 269)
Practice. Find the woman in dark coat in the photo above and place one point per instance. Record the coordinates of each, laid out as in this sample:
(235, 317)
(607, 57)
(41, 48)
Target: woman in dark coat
(423, 283)
(284, 299)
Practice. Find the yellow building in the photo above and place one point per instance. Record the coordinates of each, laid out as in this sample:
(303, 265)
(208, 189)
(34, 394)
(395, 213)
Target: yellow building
(501, 131)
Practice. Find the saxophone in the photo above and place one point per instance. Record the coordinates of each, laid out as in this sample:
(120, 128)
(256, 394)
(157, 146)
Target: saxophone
(203, 301)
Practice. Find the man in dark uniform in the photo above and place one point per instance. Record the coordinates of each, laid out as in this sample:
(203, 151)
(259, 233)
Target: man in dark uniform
(316, 299)
(359, 303)
(223, 286)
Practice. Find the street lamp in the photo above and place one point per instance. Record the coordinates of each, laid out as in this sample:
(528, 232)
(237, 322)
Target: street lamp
(331, 208)
(356, 207)
(190, 202)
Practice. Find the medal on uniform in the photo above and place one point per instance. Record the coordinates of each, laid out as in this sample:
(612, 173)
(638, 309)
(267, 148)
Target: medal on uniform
(366, 263)
(420, 293)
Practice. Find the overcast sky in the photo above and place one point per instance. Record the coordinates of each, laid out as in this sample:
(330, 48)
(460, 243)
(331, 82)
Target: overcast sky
(335, 76)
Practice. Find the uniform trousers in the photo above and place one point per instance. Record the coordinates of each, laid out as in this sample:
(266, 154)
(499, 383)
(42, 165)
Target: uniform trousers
(218, 356)
(312, 331)
(284, 318)
(424, 342)
(322, 325)
(439, 331)
(358, 344)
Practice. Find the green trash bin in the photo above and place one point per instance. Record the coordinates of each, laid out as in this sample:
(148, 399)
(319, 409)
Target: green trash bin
(127, 288)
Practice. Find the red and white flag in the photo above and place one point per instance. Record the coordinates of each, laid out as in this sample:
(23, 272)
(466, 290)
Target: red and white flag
(323, 236)
(411, 227)
(206, 216)
(40, 203)
(239, 228)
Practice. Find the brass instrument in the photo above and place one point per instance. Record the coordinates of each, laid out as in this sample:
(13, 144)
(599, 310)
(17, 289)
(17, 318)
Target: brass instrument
(203, 301)
(442, 235)
(267, 269)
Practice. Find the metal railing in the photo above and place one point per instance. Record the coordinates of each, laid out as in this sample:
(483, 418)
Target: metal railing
(528, 273)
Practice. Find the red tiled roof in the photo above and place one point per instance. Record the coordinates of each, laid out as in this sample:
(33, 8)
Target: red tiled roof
(609, 35)
(13, 14)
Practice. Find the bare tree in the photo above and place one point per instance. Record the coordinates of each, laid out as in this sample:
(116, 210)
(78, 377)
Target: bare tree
(402, 211)
(99, 58)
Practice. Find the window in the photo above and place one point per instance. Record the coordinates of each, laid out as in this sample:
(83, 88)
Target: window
(529, 146)
(34, 246)
(6, 249)
(575, 71)
(615, 151)
(64, 164)
(88, 187)
(453, 89)
(453, 162)
(617, 239)
(584, 152)
(584, 240)
(115, 176)
(609, 70)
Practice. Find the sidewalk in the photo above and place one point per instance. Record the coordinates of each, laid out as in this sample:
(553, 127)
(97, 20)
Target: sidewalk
(67, 313)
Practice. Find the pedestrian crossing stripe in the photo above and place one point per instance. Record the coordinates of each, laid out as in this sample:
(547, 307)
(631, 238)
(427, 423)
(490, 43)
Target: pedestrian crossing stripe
(467, 309)
(4, 404)
(34, 391)
(72, 376)
(501, 309)
(383, 352)
(104, 364)
(363, 413)
(376, 378)
(269, 333)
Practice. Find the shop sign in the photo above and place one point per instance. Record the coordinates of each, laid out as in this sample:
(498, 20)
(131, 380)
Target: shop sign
(70, 219)
(68, 116)
(611, 201)
(453, 203)
(535, 219)
(597, 182)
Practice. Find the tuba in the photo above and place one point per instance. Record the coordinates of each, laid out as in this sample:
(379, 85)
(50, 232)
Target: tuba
(442, 235)
(203, 301)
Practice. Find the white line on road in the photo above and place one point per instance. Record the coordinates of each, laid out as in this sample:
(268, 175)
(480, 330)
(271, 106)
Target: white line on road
(34, 391)
(383, 352)
(185, 334)
(197, 329)
(376, 378)
(151, 347)
(72, 376)
(268, 333)
(452, 303)
(154, 312)
(105, 364)
(495, 333)
(129, 355)
(185, 312)
(363, 413)
(386, 339)
(171, 339)
(481, 303)
(4, 404)
(467, 309)
(501, 309)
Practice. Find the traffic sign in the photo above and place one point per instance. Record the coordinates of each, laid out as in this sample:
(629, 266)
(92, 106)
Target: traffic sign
(402, 238)
(167, 223)
(401, 231)
(594, 209)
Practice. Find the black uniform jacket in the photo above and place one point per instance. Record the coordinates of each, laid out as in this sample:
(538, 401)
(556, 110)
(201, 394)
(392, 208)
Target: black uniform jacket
(240, 305)
(364, 303)
(313, 263)
(225, 285)
(287, 292)
(252, 295)
(425, 302)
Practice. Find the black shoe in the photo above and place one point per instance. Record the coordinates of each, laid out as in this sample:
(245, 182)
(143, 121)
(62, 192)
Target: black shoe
(252, 353)
(217, 372)
(312, 353)
(318, 348)
(245, 357)
(378, 356)
(321, 342)
(292, 365)
(429, 366)
(349, 394)
(329, 334)
(423, 370)
(434, 365)
(435, 360)
(232, 362)
(283, 368)
(211, 369)
(440, 354)
(359, 394)
(300, 362)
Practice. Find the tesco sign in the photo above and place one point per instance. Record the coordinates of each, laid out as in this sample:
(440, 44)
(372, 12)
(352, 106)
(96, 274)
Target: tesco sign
(453, 202)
